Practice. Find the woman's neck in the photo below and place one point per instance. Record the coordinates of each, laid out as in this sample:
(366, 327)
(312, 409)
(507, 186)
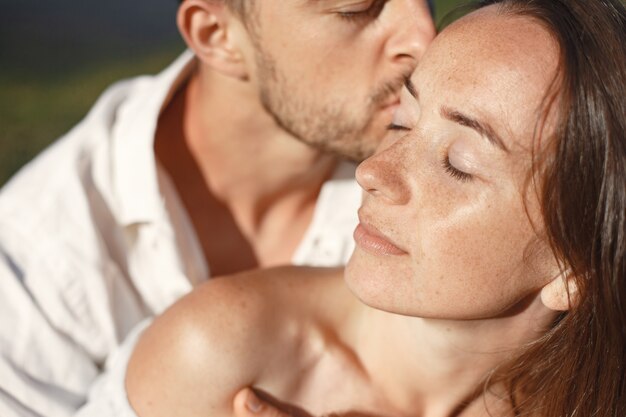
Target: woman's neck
(434, 367)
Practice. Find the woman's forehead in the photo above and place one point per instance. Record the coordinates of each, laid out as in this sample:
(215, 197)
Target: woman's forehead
(495, 65)
(489, 37)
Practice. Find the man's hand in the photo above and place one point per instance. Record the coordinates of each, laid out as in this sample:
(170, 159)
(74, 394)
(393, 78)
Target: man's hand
(248, 404)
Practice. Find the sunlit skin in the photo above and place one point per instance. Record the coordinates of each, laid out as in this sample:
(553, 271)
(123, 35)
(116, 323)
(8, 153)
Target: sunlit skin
(447, 240)
(449, 196)
(306, 63)
(246, 140)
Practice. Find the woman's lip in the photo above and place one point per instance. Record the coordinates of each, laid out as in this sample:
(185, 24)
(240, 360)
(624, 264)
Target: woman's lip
(371, 240)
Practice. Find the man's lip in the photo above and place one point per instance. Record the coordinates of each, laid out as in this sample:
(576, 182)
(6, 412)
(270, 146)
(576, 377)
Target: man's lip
(373, 240)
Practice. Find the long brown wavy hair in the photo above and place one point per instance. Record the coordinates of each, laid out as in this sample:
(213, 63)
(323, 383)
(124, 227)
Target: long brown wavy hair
(578, 368)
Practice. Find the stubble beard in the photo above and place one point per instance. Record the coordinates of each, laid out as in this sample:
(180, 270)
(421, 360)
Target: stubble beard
(330, 126)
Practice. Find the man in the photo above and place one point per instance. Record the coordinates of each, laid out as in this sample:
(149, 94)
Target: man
(194, 173)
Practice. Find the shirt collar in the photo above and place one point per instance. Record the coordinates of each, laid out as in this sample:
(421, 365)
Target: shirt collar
(134, 164)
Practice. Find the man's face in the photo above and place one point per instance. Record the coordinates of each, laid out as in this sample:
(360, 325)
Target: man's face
(330, 71)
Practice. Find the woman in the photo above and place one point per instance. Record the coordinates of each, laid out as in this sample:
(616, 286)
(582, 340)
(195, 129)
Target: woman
(489, 272)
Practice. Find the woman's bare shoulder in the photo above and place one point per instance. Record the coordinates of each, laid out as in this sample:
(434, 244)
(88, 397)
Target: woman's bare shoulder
(216, 340)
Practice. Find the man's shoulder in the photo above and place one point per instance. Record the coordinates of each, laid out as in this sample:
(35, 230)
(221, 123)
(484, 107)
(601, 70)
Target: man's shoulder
(63, 163)
(64, 177)
(51, 195)
(119, 124)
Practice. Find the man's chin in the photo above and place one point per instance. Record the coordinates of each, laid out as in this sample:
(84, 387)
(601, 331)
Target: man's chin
(356, 150)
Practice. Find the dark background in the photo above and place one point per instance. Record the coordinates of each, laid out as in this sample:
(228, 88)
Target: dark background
(57, 56)
(60, 35)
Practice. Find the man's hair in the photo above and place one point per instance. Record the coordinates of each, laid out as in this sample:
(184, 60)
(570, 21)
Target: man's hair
(240, 7)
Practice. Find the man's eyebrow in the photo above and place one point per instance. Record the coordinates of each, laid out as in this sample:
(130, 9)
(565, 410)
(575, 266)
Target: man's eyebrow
(484, 129)
(411, 88)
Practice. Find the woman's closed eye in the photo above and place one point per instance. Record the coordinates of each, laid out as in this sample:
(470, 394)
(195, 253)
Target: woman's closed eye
(448, 166)
(454, 171)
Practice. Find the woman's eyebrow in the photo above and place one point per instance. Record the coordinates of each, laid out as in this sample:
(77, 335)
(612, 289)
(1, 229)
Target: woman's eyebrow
(483, 128)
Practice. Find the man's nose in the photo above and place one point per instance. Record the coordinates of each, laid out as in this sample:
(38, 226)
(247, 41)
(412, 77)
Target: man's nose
(413, 30)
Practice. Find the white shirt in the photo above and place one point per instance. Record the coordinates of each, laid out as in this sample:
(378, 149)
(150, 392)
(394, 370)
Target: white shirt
(94, 239)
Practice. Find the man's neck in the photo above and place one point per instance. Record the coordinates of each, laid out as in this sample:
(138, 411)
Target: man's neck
(238, 174)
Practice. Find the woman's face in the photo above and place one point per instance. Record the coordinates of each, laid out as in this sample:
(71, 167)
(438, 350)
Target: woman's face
(445, 223)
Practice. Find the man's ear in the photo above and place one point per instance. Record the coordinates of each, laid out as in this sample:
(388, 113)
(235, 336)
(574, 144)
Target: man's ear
(208, 29)
(561, 293)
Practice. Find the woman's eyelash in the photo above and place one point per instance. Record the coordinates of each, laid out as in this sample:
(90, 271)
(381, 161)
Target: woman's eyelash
(394, 126)
(455, 173)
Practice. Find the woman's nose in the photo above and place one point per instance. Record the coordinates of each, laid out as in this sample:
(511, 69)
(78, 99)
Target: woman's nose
(383, 176)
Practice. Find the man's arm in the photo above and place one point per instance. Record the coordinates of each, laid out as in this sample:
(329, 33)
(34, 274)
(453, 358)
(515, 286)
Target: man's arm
(43, 371)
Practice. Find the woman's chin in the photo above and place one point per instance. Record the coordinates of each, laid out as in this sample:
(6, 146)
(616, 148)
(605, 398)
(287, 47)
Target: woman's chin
(378, 284)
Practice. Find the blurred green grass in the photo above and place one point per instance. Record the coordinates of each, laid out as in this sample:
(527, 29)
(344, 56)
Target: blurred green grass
(37, 105)
(36, 109)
